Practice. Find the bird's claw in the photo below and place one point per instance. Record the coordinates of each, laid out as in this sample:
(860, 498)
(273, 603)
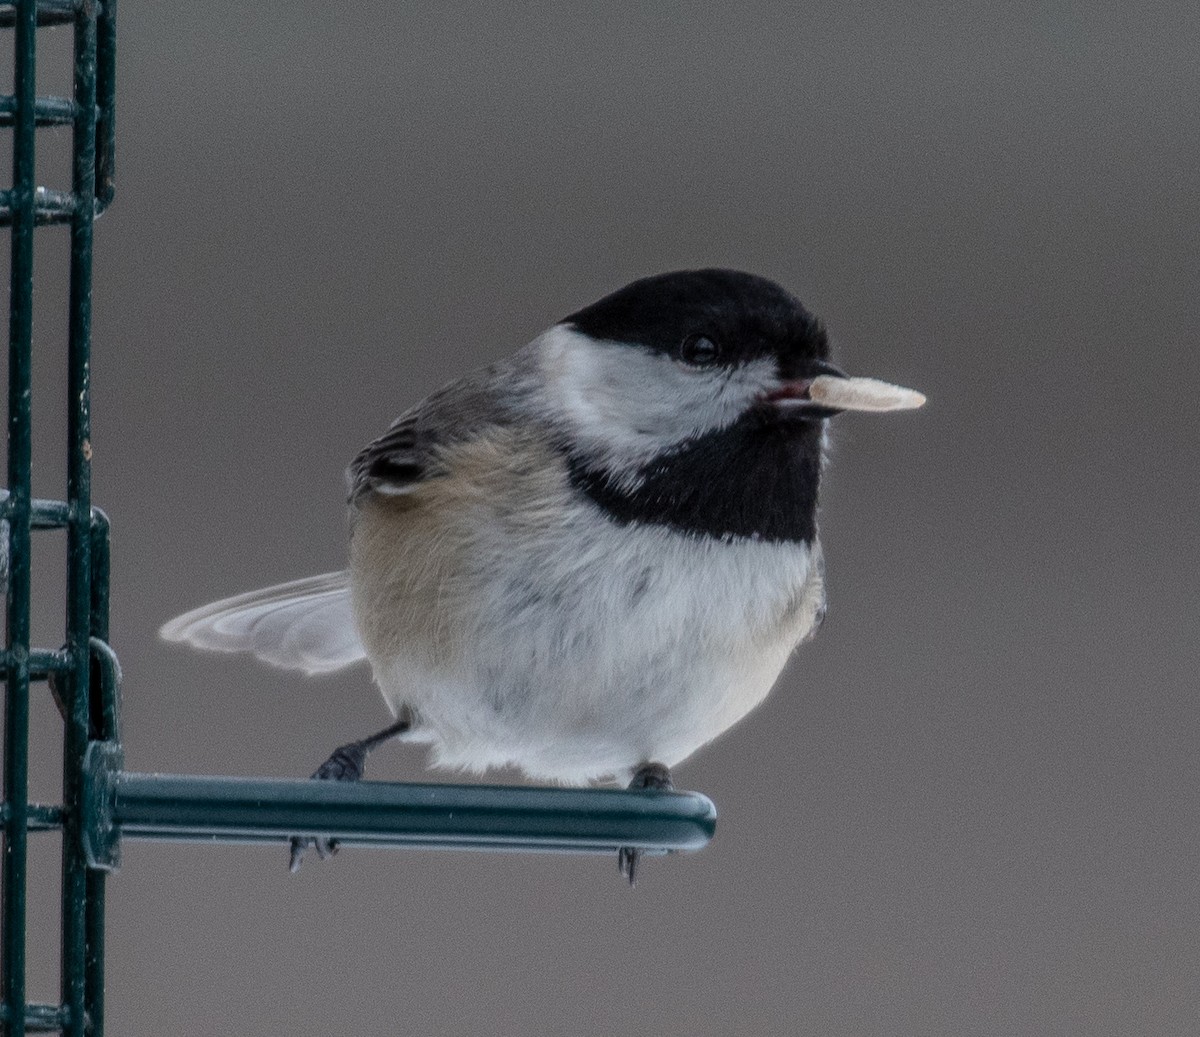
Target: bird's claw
(345, 763)
(324, 849)
(647, 776)
(627, 863)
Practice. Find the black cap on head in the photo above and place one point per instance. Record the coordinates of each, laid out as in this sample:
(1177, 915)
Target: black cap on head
(747, 316)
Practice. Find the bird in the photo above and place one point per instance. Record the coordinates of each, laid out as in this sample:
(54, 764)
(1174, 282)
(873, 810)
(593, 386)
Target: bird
(590, 558)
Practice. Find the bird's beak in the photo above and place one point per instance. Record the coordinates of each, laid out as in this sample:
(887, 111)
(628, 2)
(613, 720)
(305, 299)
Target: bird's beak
(832, 393)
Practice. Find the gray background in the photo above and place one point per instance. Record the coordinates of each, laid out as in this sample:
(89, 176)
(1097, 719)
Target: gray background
(970, 806)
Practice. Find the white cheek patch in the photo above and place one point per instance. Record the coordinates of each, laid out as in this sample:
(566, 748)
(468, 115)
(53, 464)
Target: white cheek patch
(627, 404)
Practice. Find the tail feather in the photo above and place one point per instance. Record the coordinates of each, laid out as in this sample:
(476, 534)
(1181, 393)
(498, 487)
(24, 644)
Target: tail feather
(303, 625)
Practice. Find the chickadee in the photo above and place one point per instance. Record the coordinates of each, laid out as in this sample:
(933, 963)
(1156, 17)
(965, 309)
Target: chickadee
(590, 558)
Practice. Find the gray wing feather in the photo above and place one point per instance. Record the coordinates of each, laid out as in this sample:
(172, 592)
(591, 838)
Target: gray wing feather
(408, 453)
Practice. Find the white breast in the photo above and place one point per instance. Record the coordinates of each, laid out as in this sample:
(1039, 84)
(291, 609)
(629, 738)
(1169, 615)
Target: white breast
(559, 641)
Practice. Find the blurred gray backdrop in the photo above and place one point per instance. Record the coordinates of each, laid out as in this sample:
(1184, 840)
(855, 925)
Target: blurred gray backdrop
(970, 807)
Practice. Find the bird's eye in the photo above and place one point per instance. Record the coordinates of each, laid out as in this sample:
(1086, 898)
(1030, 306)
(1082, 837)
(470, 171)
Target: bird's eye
(699, 351)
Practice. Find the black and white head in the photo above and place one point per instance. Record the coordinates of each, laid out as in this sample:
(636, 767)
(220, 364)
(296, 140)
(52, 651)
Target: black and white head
(698, 400)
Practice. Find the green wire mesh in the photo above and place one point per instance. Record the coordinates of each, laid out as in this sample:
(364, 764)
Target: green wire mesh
(69, 669)
(102, 804)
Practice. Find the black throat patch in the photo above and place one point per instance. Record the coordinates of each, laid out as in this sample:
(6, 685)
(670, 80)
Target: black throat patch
(756, 479)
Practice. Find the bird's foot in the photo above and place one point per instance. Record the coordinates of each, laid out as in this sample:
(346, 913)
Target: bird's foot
(647, 776)
(346, 763)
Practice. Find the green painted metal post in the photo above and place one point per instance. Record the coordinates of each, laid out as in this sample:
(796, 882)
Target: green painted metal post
(17, 515)
(73, 961)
